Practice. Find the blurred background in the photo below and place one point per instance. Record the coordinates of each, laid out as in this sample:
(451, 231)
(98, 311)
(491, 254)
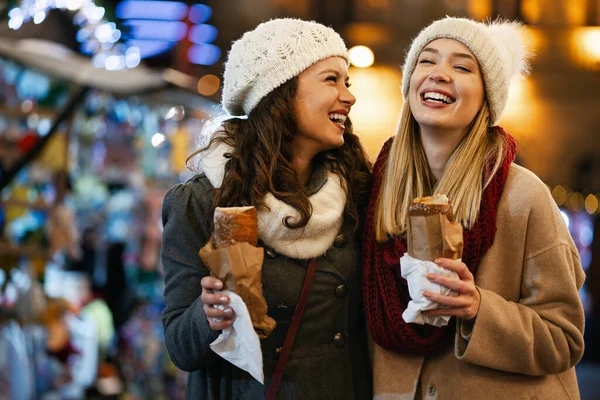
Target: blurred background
(101, 101)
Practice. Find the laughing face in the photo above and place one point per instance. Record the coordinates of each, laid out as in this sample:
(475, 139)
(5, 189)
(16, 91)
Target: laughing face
(322, 103)
(446, 88)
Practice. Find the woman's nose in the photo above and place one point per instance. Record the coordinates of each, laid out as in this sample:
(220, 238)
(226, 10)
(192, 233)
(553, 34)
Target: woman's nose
(440, 74)
(347, 97)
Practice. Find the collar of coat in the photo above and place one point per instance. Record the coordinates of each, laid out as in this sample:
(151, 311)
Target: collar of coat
(328, 204)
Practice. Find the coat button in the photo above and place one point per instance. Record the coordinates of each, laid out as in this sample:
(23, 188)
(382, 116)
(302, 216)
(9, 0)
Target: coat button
(339, 340)
(271, 253)
(340, 241)
(431, 390)
(341, 291)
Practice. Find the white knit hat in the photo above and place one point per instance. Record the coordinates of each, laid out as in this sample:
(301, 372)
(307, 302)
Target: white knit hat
(498, 47)
(270, 55)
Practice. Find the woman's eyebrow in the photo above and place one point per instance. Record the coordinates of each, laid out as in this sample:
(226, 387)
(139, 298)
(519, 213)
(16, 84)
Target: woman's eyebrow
(463, 55)
(458, 55)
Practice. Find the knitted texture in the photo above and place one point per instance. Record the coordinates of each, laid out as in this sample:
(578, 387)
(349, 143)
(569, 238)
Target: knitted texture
(270, 55)
(498, 47)
(386, 292)
(327, 204)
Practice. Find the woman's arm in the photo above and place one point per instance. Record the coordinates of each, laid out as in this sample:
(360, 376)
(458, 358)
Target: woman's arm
(542, 332)
(187, 332)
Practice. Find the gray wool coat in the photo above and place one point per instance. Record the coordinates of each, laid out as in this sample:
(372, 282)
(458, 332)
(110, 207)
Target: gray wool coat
(329, 359)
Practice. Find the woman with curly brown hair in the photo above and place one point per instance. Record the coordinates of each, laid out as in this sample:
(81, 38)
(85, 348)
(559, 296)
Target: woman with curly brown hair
(289, 151)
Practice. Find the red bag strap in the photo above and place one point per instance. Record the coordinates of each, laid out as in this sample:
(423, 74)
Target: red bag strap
(291, 333)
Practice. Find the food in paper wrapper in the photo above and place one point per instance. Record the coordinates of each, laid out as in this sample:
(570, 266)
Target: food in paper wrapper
(235, 225)
(432, 233)
(431, 205)
(232, 256)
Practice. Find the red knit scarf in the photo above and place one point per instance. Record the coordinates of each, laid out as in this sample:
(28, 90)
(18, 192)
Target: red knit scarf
(386, 292)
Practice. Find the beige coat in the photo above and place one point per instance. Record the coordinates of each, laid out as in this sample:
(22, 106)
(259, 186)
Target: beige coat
(528, 334)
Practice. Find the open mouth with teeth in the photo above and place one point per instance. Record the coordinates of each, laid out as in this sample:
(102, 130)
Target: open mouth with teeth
(338, 119)
(437, 98)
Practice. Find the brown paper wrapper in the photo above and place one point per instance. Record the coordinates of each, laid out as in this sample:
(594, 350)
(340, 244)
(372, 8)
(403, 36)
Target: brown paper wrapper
(239, 267)
(434, 236)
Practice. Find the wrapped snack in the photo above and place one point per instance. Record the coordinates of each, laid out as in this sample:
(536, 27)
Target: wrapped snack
(235, 225)
(432, 233)
(232, 256)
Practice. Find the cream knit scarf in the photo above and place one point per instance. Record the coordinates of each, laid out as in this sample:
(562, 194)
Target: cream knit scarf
(311, 241)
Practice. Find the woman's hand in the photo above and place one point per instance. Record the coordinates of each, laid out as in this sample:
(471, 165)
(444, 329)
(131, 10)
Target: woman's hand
(217, 319)
(466, 304)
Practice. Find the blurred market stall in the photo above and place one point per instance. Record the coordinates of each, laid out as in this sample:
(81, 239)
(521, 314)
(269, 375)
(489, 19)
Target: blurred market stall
(86, 156)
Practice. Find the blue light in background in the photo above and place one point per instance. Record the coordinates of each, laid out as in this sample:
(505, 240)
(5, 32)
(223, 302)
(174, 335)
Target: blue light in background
(89, 47)
(156, 30)
(586, 233)
(155, 27)
(200, 13)
(160, 10)
(203, 34)
(33, 85)
(11, 73)
(82, 35)
(149, 48)
(204, 54)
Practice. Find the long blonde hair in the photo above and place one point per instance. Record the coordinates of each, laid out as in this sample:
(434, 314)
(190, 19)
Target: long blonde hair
(407, 175)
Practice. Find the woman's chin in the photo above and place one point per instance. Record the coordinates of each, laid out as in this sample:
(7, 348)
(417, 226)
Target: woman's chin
(333, 144)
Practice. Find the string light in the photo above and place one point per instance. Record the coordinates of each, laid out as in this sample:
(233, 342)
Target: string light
(155, 26)
(577, 200)
(591, 204)
(99, 37)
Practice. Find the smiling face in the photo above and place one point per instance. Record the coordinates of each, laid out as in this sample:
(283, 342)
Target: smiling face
(446, 87)
(321, 105)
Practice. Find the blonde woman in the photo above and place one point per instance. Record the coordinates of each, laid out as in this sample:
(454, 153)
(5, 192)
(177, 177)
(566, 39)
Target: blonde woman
(517, 322)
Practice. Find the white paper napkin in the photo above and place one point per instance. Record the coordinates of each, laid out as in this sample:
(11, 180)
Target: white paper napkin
(239, 344)
(415, 272)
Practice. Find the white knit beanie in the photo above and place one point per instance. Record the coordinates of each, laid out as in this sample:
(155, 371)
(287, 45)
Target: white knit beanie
(498, 47)
(270, 55)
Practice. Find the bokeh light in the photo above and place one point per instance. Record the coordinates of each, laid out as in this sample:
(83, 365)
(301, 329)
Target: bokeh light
(361, 56)
(208, 85)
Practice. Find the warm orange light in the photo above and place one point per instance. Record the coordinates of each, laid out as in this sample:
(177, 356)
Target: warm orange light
(585, 43)
(480, 9)
(576, 10)
(559, 194)
(591, 43)
(534, 39)
(521, 102)
(591, 204)
(361, 56)
(576, 201)
(378, 105)
(531, 10)
(368, 33)
(208, 85)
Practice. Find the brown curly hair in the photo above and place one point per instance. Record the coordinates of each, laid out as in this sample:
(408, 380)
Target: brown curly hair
(261, 160)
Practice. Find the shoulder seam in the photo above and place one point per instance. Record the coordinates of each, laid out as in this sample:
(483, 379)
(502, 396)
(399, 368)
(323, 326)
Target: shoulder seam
(551, 247)
(204, 182)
